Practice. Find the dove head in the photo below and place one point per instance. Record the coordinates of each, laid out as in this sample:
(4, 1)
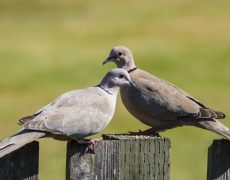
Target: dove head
(116, 79)
(122, 57)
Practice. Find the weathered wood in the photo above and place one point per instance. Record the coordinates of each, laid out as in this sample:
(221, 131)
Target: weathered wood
(21, 164)
(133, 157)
(219, 160)
(79, 162)
(122, 157)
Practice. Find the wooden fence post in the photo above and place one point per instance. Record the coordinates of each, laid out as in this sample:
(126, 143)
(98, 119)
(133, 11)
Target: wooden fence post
(219, 160)
(79, 162)
(122, 157)
(21, 164)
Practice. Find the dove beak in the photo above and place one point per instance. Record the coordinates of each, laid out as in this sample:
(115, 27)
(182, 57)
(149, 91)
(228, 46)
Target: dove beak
(109, 59)
(131, 82)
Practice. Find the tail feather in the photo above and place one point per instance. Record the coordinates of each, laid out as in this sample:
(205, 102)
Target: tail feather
(220, 115)
(215, 126)
(206, 112)
(18, 140)
(209, 113)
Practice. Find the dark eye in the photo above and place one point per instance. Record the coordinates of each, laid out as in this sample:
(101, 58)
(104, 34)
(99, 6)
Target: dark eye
(121, 76)
(120, 53)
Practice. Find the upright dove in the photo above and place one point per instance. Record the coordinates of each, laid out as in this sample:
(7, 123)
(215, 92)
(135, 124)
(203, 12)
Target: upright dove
(161, 104)
(74, 115)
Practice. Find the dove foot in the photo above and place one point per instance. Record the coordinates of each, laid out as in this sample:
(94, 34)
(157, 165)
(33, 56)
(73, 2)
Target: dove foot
(148, 132)
(90, 144)
(88, 141)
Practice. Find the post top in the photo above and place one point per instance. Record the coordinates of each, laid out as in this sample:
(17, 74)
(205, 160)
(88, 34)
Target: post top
(130, 137)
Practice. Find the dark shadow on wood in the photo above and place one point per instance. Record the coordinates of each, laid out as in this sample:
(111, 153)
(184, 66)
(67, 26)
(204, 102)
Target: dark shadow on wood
(21, 164)
(219, 160)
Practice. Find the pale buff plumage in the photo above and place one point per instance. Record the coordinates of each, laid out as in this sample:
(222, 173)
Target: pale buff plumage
(73, 115)
(161, 104)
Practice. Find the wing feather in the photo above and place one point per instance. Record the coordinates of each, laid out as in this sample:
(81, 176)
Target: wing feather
(171, 100)
(75, 112)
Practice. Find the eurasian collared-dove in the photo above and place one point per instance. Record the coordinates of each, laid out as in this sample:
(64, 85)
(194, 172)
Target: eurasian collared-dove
(160, 104)
(73, 115)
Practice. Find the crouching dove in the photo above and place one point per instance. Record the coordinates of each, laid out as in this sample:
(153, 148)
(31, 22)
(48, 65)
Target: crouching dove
(160, 104)
(74, 115)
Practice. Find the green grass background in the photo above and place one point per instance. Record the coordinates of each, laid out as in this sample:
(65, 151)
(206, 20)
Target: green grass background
(48, 47)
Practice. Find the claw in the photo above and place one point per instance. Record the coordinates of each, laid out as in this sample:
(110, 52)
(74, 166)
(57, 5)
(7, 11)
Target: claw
(94, 141)
(90, 144)
(88, 141)
(150, 132)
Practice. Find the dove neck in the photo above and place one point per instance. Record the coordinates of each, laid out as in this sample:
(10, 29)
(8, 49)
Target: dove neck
(128, 65)
(109, 88)
(131, 70)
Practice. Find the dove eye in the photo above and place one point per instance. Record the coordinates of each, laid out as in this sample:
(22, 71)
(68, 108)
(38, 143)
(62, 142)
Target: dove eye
(120, 53)
(121, 76)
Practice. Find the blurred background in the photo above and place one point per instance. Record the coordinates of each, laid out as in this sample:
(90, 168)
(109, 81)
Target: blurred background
(48, 47)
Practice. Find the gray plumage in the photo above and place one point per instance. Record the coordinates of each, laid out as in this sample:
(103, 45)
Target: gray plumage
(73, 115)
(160, 104)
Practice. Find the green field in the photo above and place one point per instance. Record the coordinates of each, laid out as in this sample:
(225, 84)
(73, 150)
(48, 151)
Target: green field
(48, 47)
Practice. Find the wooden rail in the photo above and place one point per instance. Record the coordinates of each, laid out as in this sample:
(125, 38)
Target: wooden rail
(116, 157)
